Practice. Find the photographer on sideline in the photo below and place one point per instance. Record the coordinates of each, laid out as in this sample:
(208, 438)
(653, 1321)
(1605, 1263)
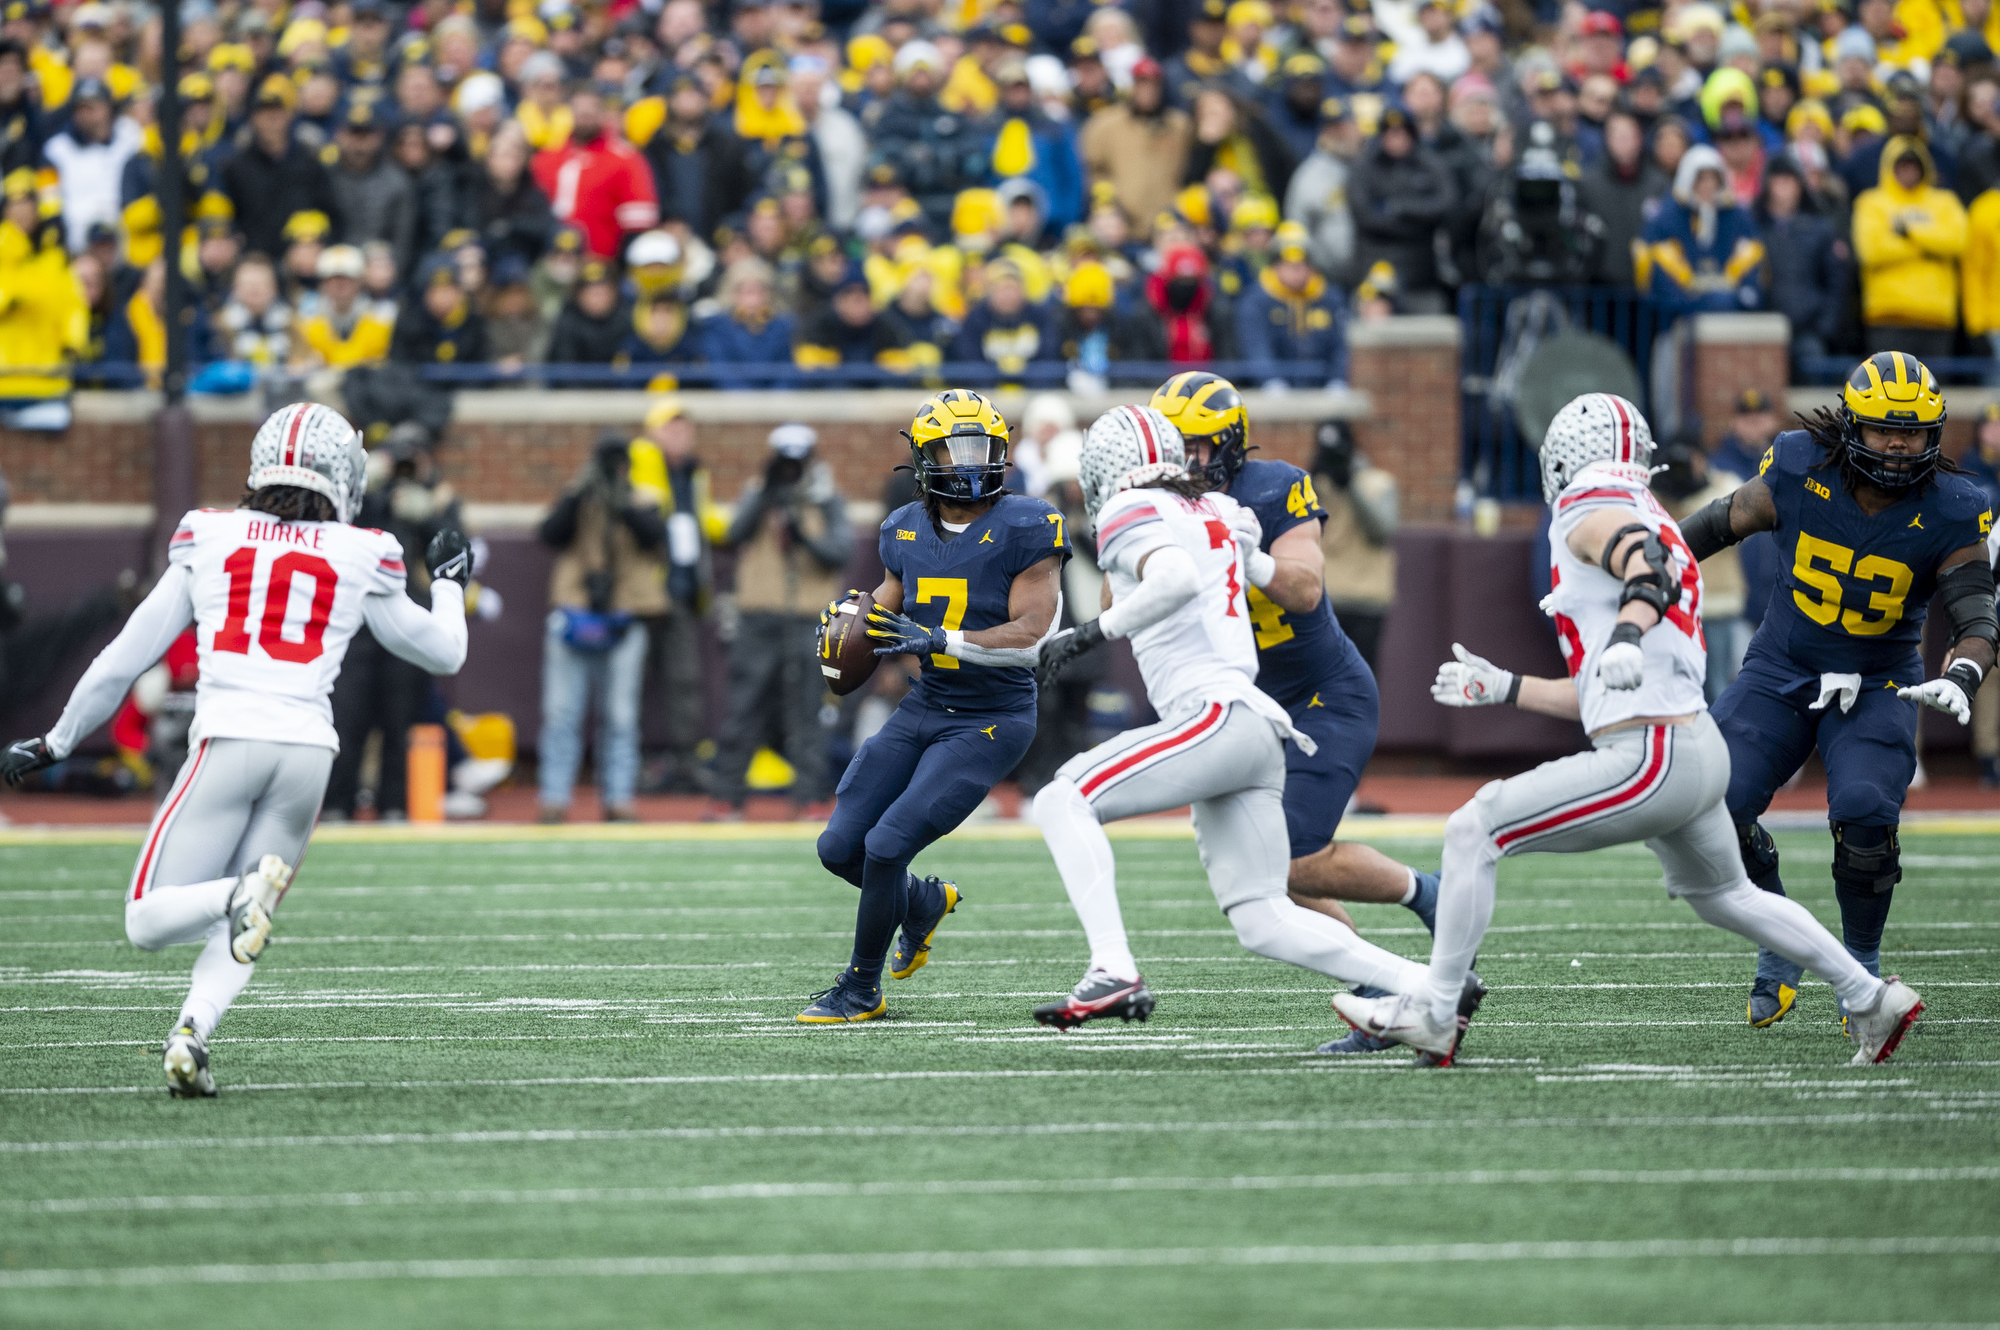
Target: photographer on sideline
(791, 540)
(610, 572)
(1362, 509)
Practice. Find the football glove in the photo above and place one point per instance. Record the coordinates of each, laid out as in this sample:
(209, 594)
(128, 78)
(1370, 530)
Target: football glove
(1948, 692)
(1064, 647)
(1623, 664)
(1844, 687)
(902, 635)
(449, 557)
(1472, 681)
(24, 757)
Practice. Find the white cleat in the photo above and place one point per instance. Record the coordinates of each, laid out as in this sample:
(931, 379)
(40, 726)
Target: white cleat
(1403, 1019)
(187, 1065)
(251, 906)
(1876, 1033)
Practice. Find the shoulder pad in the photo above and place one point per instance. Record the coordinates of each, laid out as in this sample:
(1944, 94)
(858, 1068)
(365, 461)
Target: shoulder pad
(902, 516)
(1261, 477)
(1961, 496)
(1794, 453)
(1025, 510)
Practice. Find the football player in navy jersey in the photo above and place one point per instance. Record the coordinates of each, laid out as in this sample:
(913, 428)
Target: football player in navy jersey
(1304, 662)
(1871, 521)
(972, 584)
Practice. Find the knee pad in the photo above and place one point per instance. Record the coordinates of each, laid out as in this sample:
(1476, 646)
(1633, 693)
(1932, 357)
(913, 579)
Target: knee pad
(840, 856)
(1866, 859)
(1760, 855)
(1465, 832)
(1258, 926)
(137, 930)
(1060, 797)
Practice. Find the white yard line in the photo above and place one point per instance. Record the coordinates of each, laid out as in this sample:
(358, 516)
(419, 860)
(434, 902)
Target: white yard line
(1070, 1258)
(779, 1191)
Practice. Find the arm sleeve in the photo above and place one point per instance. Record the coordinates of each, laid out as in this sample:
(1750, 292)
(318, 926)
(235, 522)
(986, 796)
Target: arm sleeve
(1171, 580)
(432, 639)
(160, 618)
(1002, 657)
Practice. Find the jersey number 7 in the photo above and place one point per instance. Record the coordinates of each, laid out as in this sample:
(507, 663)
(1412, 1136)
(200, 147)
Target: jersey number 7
(234, 635)
(1221, 537)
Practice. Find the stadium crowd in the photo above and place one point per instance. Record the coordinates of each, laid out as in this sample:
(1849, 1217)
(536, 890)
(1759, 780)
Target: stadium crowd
(661, 185)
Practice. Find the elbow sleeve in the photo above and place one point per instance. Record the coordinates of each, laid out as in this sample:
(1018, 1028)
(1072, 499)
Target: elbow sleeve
(1708, 532)
(1968, 601)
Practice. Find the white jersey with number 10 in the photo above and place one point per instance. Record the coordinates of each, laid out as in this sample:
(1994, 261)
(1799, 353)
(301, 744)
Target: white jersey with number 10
(275, 605)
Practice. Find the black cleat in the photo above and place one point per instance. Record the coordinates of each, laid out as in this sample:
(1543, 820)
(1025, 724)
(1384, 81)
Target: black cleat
(1097, 996)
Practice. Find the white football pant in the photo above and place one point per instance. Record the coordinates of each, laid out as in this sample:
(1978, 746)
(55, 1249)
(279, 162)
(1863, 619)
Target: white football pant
(235, 801)
(1661, 784)
(1228, 762)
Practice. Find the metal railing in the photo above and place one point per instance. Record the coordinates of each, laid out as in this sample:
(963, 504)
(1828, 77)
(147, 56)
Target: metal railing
(1495, 459)
(1963, 370)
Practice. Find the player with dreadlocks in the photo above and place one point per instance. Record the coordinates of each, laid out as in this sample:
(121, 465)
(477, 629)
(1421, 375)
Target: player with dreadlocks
(971, 585)
(1871, 522)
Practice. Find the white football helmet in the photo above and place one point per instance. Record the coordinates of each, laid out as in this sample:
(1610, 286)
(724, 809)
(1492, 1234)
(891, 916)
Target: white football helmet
(313, 447)
(1129, 445)
(1596, 427)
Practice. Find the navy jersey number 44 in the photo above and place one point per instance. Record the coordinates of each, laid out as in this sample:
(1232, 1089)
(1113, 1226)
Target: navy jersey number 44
(1294, 651)
(1853, 588)
(964, 583)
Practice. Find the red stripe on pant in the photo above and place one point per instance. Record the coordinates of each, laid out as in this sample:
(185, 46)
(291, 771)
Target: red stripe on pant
(144, 876)
(1634, 790)
(1126, 763)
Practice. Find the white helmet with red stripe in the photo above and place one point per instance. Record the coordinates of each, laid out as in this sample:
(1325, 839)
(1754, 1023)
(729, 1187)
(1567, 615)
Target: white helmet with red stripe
(1129, 445)
(1596, 427)
(313, 447)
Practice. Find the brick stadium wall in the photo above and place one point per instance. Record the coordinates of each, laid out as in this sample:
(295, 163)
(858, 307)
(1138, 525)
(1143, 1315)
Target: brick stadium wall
(1409, 369)
(1732, 354)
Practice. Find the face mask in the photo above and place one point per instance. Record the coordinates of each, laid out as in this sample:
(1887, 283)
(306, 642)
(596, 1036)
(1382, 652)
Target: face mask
(1181, 292)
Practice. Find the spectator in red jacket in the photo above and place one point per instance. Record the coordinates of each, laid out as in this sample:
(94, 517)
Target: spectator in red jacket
(596, 181)
(1180, 294)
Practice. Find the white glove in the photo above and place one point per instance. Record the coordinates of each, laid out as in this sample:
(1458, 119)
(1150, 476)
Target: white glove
(1846, 687)
(1944, 695)
(1622, 666)
(1471, 681)
(1258, 566)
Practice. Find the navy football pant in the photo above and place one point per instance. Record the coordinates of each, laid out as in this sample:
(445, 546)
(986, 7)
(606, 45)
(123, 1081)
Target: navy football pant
(1870, 754)
(1340, 716)
(915, 779)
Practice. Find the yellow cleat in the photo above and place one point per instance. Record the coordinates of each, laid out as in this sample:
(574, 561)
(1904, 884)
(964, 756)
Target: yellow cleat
(1768, 1008)
(913, 945)
(845, 1003)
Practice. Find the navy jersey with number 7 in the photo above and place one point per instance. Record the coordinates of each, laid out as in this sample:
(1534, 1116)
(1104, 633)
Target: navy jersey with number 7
(964, 582)
(1852, 588)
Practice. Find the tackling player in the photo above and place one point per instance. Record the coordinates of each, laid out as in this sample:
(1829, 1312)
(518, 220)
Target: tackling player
(1871, 524)
(275, 589)
(1304, 661)
(1626, 599)
(1177, 560)
(971, 584)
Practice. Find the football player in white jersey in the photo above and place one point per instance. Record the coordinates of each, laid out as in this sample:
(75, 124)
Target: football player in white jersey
(1626, 601)
(1178, 559)
(275, 589)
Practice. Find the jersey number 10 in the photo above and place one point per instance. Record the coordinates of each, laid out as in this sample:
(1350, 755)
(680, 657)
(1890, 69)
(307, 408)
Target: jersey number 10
(234, 635)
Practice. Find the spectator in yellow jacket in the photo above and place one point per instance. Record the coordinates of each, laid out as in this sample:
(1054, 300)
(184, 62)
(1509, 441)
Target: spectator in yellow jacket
(1979, 268)
(1908, 235)
(345, 329)
(44, 320)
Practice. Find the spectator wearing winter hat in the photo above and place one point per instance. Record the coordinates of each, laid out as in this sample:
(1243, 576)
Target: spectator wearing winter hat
(90, 156)
(750, 330)
(593, 325)
(699, 170)
(1810, 265)
(1702, 247)
(1908, 236)
(1317, 197)
(938, 152)
(1401, 194)
(1180, 293)
(596, 181)
(504, 205)
(1292, 313)
(439, 327)
(1003, 329)
(374, 194)
(344, 329)
(1028, 144)
(851, 331)
(1436, 48)
(1140, 147)
(1092, 333)
(272, 175)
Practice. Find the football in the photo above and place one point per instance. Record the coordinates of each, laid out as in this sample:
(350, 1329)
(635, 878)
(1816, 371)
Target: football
(849, 657)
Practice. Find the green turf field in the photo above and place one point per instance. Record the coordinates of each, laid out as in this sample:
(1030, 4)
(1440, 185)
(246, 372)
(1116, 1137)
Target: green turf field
(557, 1083)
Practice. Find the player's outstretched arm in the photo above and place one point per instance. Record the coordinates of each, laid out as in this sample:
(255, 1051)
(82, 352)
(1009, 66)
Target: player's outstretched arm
(1298, 574)
(1034, 604)
(1168, 579)
(1965, 584)
(160, 618)
(1474, 681)
(1736, 516)
(432, 639)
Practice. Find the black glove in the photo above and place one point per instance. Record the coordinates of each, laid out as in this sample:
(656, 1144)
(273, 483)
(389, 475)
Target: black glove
(24, 757)
(1065, 647)
(449, 557)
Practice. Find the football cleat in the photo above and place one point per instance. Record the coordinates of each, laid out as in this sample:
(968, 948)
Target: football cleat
(1355, 1041)
(1770, 1002)
(186, 1060)
(846, 1002)
(251, 906)
(1098, 995)
(1877, 1032)
(1425, 903)
(1404, 1019)
(913, 944)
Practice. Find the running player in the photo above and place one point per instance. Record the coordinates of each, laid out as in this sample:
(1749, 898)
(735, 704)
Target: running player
(1178, 560)
(1305, 662)
(1626, 599)
(1872, 525)
(275, 589)
(972, 583)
